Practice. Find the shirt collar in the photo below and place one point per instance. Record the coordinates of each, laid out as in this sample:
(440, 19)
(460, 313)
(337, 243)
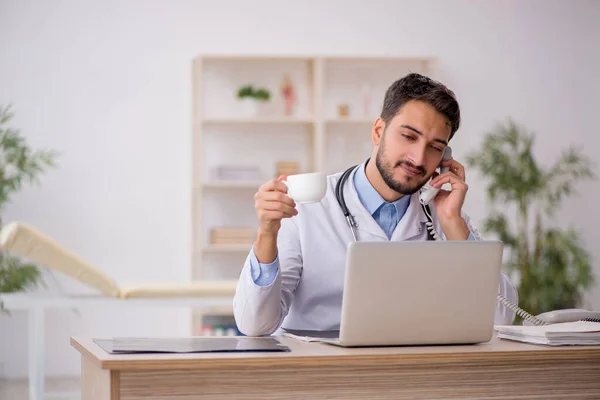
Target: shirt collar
(369, 197)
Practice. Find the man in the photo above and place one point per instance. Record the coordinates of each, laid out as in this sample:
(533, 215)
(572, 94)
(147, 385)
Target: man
(293, 276)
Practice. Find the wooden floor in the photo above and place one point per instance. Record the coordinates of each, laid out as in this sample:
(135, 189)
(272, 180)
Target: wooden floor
(57, 388)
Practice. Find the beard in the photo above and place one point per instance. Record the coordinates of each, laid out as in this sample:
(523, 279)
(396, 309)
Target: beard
(386, 170)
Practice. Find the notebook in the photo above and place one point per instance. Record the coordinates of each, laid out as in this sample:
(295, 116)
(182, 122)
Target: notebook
(559, 334)
(310, 335)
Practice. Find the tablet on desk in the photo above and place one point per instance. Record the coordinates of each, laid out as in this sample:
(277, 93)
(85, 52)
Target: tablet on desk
(208, 344)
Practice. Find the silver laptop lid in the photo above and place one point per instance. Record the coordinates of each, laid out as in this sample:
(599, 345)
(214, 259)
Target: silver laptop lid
(420, 292)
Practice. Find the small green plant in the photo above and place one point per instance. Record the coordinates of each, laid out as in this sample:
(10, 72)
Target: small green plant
(19, 165)
(249, 91)
(245, 91)
(262, 95)
(552, 268)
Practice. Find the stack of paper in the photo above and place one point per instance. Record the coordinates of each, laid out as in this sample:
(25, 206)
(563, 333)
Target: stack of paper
(560, 334)
(311, 336)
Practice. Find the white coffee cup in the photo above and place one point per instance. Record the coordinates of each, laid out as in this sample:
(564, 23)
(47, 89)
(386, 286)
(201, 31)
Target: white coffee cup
(307, 188)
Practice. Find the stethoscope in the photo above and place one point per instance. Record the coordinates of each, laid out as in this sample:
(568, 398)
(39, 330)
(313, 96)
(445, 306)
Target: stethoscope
(339, 194)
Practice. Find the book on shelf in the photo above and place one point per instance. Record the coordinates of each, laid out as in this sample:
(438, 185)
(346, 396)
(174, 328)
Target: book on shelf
(559, 334)
(228, 236)
(286, 168)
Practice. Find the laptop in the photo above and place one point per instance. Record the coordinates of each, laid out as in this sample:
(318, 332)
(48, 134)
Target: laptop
(419, 293)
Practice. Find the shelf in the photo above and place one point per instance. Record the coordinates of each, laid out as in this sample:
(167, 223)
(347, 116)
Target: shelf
(285, 121)
(259, 120)
(254, 57)
(365, 121)
(227, 248)
(308, 57)
(232, 185)
(218, 311)
(226, 132)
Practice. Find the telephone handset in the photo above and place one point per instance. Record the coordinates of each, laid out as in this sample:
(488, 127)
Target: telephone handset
(428, 193)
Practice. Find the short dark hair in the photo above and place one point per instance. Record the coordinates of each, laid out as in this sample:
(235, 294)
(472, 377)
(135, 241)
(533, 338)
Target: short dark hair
(418, 87)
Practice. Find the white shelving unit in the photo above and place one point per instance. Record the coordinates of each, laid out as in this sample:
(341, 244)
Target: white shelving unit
(315, 136)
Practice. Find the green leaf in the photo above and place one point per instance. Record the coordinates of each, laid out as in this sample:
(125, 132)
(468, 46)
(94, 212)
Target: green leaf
(262, 95)
(498, 224)
(561, 178)
(16, 275)
(250, 91)
(19, 165)
(246, 91)
(553, 268)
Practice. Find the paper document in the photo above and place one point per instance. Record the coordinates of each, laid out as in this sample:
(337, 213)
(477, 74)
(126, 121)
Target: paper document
(560, 334)
(311, 336)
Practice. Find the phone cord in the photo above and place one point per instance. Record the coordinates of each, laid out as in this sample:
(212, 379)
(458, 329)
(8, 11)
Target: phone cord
(519, 311)
(430, 226)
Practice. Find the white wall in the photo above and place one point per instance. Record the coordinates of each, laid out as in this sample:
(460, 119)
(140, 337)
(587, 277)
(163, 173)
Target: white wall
(108, 84)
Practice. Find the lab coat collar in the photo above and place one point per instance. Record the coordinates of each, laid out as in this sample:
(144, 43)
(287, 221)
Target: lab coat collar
(409, 226)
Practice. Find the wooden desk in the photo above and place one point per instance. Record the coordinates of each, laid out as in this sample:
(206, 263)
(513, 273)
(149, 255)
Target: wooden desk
(496, 370)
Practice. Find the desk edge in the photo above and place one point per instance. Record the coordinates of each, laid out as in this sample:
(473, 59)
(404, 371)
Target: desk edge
(571, 353)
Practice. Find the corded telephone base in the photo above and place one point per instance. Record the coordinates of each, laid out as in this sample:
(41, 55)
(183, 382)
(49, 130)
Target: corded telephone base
(566, 315)
(551, 317)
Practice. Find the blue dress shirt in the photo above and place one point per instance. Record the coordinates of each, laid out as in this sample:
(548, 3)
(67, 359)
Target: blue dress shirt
(387, 215)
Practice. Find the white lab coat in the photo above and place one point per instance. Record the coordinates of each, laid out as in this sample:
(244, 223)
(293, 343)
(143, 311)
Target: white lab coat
(307, 290)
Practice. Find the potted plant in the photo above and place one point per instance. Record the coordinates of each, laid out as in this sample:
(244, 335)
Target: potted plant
(551, 268)
(251, 98)
(19, 165)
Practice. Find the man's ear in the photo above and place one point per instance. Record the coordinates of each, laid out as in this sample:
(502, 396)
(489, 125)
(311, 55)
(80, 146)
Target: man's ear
(377, 131)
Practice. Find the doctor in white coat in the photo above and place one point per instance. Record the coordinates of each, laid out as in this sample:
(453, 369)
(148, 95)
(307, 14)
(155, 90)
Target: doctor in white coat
(294, 275)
